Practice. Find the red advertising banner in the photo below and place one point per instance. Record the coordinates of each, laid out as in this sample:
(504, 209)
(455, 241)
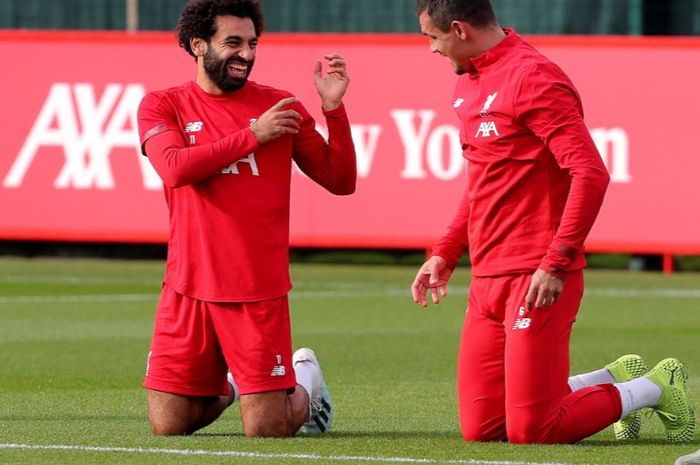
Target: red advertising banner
(70, 167)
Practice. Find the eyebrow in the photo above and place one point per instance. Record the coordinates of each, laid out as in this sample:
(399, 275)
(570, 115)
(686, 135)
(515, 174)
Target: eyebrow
(239, 39)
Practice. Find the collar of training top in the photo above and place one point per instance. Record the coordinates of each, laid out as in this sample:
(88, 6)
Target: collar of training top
(499, 51)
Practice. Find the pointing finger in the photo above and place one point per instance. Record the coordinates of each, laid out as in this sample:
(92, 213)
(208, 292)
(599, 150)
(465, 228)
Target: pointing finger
(290, 114)
(283, 103)
(530, 298)
(434, 295)
(290, 123)
(415, 289)
(333, 56)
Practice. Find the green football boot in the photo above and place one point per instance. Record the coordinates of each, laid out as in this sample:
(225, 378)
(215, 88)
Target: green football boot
(674, 408)
(627, 368)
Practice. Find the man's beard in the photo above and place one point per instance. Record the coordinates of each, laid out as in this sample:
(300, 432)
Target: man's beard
(217, 70)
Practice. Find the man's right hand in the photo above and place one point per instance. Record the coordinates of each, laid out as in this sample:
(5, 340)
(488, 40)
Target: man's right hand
(276, 122)
(433, 277)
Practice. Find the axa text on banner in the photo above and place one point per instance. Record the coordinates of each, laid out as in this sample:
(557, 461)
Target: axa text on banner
(71, 169)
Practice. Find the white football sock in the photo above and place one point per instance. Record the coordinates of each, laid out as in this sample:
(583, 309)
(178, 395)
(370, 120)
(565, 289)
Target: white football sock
(306, 372)
(638, 393)
(690, 459)
(234, 387)
(593, 378)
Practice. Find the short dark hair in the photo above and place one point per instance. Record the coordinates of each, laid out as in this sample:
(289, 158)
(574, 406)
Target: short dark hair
(198, 18)
(478, 13)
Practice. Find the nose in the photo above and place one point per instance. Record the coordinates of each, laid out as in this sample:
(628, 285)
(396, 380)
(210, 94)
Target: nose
(246, 52)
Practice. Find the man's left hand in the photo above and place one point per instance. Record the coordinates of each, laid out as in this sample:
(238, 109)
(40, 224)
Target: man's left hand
(544, 291)
(333, 85)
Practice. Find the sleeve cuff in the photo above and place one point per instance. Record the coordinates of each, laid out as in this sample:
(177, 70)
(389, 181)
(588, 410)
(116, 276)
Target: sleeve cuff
(250, 140)
(559, 259)
(339, 111)
(554, 270)
(449, 258)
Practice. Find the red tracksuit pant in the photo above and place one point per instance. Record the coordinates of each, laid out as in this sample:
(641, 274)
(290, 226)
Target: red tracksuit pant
(513, 369)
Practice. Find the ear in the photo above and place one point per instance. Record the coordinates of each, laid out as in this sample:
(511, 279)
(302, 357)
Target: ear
(198, 46)
(460, 29)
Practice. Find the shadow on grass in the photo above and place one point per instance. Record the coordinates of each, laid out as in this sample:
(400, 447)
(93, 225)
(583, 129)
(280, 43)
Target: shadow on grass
(639, 442)
(356, 434)
(450, 435)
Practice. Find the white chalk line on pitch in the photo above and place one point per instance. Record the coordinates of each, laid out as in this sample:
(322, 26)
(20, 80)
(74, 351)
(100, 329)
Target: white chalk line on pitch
(262, 455)
(340, 294)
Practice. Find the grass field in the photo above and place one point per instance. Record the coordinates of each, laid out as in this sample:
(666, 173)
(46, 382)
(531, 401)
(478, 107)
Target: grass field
(74, 336)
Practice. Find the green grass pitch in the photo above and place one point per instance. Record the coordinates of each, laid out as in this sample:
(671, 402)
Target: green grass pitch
(74, 336)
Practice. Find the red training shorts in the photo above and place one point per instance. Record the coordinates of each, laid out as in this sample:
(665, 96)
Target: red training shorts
(196, 342)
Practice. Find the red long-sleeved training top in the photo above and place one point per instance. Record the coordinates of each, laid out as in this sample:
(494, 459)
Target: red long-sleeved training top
(535, 179)
(228, 197)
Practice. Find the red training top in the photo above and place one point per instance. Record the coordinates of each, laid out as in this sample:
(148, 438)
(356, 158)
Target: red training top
(227, 196)
(536, 180)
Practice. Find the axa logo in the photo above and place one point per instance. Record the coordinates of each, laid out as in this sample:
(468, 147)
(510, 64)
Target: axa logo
(487, 105)
(233, 169)
(249, 159)
(194, 126)
(87, 128)
(487, 129)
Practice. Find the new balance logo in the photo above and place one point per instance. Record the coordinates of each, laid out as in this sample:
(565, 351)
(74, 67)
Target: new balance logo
(194, 126)
(486, 128)
(487, 105)
(522, 323)
(458, 103)
(278, 370)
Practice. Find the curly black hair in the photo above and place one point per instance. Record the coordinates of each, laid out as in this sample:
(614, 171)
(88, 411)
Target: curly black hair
(198, 18)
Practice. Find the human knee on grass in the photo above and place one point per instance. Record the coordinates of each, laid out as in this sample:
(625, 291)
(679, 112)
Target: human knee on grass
(282, 414)
(268, 414)
(177, 415)
(275, 413)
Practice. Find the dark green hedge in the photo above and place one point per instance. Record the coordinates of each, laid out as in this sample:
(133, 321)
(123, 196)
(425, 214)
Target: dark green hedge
(528, 16)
